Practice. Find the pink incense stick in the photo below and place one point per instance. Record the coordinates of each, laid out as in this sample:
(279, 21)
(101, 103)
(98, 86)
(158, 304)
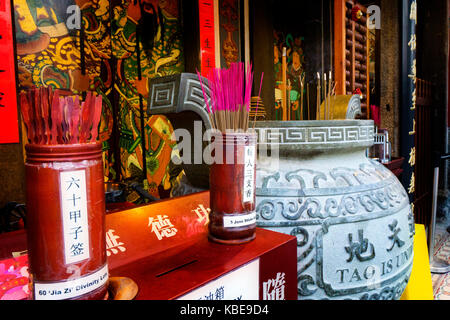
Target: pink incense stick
(69, 115)
(76, 120)
(85, 118)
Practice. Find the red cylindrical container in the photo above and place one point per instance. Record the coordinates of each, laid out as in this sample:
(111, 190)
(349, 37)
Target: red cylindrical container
(66, 222)
(232, 189)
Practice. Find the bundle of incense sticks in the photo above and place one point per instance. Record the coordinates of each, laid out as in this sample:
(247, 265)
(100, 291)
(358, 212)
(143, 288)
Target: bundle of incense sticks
(302, 89)
(231, 89)
(326, 94)
(329, 93)
(53, 119)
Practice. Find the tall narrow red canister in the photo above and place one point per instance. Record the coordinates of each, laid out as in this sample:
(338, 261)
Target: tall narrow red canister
(232, 189)
(66, 222)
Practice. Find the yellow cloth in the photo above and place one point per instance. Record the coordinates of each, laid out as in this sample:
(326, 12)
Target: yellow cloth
(420, 286)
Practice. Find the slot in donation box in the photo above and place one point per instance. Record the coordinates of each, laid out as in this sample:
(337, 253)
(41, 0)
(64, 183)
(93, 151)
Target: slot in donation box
(164, 248)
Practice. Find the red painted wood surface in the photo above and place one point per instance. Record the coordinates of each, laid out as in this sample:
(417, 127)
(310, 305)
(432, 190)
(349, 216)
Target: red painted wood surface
(395, 166)
(207, 36)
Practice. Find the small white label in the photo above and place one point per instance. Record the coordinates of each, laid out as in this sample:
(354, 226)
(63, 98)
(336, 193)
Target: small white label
(241, 284)
(239, 220)
(71, 288)
(249, 175)
(74, 216)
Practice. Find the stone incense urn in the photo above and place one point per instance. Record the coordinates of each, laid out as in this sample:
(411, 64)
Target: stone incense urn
(351, 216)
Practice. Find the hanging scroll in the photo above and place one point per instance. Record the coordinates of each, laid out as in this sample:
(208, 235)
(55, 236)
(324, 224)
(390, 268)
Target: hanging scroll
(207, 36)
(9, 124)
(409, 94)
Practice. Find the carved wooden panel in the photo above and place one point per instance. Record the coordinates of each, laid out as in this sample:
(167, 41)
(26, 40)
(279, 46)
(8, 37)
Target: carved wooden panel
(352, 51)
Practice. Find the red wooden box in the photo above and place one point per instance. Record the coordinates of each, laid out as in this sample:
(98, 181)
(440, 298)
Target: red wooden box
(164, 248)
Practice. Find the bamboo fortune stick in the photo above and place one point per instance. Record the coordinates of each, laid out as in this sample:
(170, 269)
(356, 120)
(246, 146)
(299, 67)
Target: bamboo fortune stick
(318, 97)
(259, 98)
(289, 107)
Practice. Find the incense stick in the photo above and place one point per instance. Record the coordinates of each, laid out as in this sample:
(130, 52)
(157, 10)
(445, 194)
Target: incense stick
(333, 94)
(230, 97)
(325, 95)
(289, 107)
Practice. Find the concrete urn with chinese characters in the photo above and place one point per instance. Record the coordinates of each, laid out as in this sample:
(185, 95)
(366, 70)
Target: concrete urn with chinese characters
(351, 216)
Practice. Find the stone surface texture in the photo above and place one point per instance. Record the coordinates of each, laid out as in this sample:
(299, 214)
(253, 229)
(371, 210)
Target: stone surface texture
(351, 215)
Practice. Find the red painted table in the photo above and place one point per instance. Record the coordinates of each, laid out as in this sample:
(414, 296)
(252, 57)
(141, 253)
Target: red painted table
(164, 248)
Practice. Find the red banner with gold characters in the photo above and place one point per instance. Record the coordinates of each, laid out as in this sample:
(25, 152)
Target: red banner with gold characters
(207, 36)
(9, 124)
(409, 70)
